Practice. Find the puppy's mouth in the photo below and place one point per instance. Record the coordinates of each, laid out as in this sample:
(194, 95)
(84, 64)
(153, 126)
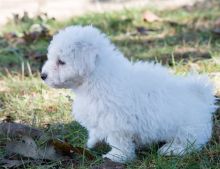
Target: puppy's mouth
(67, 84)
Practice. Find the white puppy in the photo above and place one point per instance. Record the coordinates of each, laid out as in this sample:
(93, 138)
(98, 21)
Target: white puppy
(128, 104)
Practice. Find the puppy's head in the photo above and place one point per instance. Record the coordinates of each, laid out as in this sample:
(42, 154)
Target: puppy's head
(72, 56)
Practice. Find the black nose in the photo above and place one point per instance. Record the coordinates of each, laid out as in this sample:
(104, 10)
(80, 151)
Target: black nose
(43, 76)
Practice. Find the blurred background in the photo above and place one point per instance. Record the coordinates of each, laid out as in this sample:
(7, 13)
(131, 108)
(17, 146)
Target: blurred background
(183, 35)
(63, 9)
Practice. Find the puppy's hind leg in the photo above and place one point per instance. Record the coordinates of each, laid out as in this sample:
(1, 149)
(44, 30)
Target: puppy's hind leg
(172, 149)
(178, 148)
(188, 139)
(123, 148)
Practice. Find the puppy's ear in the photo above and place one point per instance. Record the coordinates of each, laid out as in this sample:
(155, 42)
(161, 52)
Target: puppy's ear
(88, 57)
(91, 58)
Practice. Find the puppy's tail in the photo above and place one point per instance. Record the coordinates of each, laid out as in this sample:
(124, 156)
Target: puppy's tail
(204, 89)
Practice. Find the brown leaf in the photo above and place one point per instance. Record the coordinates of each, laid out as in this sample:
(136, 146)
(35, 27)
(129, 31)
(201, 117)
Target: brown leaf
(67, 149)
(150, 17)
(53, 150)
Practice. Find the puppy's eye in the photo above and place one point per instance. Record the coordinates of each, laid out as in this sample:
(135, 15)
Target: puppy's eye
(60, 62)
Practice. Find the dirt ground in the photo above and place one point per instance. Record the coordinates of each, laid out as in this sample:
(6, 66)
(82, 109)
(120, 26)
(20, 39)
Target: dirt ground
(64, 9)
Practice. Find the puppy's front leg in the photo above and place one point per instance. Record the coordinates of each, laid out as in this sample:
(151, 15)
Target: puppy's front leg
(123, 149)
(93, 138)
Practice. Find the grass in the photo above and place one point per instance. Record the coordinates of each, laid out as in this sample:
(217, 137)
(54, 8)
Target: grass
(182, 41)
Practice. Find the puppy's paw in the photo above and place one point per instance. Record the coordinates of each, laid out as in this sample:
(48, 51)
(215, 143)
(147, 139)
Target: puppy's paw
(91, 143)
(119, 156)
(115, 158)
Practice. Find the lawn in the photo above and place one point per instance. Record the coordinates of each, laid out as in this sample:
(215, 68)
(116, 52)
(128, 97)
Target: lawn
(183, 40)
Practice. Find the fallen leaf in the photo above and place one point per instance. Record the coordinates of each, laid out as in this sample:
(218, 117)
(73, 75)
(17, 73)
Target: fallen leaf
(16, 129)
(150, 17)
(69, 150)
(27, 147)
(54, 149)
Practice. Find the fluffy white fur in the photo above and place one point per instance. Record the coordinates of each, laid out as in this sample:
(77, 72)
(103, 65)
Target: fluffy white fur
(128, 104)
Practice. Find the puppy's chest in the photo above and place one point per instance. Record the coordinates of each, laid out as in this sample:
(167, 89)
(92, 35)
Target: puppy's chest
(87, 111)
